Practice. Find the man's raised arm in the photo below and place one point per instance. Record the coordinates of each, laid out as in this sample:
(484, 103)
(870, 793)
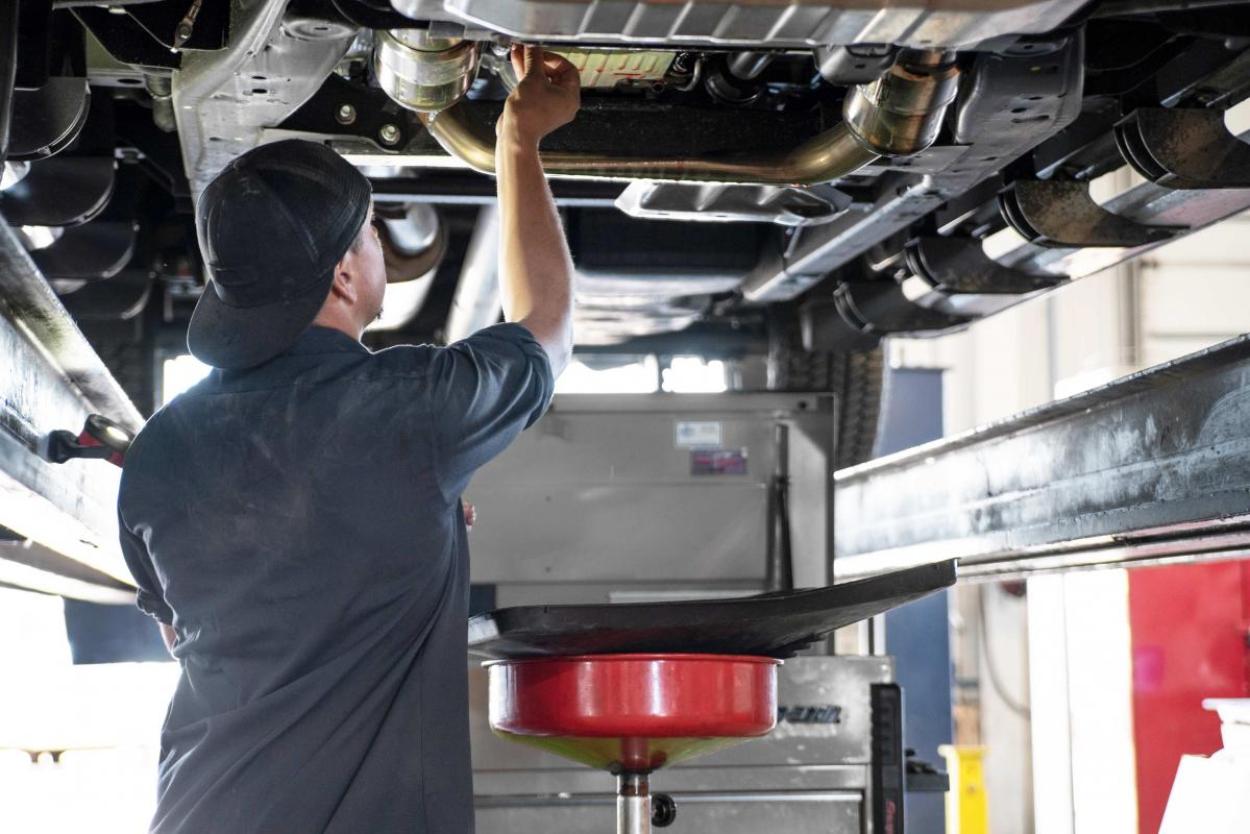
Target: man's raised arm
(535, 269)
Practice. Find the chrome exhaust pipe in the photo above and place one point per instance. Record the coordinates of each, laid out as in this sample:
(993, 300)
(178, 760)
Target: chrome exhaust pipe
(896, 115)
(828, 156)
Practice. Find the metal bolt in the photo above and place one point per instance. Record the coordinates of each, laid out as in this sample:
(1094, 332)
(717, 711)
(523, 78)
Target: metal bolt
(346, 114)
(389, 134)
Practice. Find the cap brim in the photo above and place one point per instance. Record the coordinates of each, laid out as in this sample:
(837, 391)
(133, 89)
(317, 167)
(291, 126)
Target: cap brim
(242, 337)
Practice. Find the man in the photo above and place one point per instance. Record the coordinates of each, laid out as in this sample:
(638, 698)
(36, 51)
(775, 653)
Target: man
(294, 521)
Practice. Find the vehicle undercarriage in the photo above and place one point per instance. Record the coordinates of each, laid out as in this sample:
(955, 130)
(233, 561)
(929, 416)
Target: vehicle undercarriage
(792, 181)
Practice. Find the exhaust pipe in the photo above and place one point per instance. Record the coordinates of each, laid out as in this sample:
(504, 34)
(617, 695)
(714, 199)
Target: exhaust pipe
(896, 115)
(828, 156)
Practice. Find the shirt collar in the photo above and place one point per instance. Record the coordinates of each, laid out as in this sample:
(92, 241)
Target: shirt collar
(318, 339)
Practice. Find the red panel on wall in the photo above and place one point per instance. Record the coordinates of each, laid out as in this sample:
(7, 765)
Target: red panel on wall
(1189, 631)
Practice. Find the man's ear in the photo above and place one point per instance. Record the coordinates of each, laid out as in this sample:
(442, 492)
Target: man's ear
(344, 286)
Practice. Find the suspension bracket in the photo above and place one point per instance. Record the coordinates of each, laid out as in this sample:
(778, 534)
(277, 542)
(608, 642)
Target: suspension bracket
(1184, 148)
(1062, 213)
(955, 265)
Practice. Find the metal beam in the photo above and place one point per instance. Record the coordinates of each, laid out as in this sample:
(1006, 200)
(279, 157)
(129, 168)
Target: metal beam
(476, 303)
(29, 567)
(1152, 468)
(479, 190)
(52, 379)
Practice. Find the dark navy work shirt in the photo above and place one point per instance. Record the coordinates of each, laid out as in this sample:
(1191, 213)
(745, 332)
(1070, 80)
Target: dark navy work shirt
(299, 524)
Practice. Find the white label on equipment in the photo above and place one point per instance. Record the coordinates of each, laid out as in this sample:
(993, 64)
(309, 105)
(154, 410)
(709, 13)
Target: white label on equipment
(694, 434)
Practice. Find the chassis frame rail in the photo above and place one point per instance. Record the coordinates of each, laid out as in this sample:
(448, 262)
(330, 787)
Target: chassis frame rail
(51, 378)
(1152, 468)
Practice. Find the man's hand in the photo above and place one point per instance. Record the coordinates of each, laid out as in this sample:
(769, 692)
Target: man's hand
(546, 97)
(470, 514)
(169, 636)
(535, 269)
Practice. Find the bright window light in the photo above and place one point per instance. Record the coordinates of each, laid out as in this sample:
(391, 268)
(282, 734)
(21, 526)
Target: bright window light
(39, 237)
(105, 716)
(684, 375)
(11, 173)
(633, 378)
(179, 374)
(693, 375)
(33, 626)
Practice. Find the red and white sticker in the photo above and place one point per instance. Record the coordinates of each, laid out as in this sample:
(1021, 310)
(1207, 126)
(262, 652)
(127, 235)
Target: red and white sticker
(718, 461)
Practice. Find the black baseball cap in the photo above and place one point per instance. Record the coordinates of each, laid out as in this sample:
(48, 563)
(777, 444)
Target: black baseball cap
(272, 225)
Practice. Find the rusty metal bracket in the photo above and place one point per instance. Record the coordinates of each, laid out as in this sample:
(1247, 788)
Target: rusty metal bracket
(880, 308)
(1184, 148)
(1062, 213)
(959, 265)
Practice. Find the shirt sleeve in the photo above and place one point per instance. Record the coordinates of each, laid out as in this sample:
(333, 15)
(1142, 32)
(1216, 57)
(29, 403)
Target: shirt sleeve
(484, 391)
(149, 598)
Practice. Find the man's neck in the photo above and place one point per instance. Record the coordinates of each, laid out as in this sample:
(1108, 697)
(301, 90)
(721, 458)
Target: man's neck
(339, 323)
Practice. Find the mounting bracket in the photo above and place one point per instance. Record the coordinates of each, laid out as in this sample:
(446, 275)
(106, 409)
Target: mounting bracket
(1184, 148)
(956, 265)
(1062, 213)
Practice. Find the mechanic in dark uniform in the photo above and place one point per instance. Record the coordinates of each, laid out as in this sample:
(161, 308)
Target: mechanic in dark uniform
(294, 521)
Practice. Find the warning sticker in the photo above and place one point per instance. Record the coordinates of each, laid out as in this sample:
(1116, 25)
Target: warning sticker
(691, 434)
(718, 461)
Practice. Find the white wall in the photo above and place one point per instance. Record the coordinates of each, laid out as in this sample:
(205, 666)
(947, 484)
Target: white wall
(1080, 649)
(1196, 292)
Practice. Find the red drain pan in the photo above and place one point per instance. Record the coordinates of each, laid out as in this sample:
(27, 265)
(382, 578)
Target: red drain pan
(633, 712)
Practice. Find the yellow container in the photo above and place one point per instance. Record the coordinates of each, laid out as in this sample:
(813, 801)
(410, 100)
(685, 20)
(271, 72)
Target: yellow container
(967, 808)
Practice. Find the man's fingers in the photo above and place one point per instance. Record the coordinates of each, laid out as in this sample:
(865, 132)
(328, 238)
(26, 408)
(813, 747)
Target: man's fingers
(556, 64)
(533, 60)
(569, 80)
(517, 54)
(561, 71)
(526, 60)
